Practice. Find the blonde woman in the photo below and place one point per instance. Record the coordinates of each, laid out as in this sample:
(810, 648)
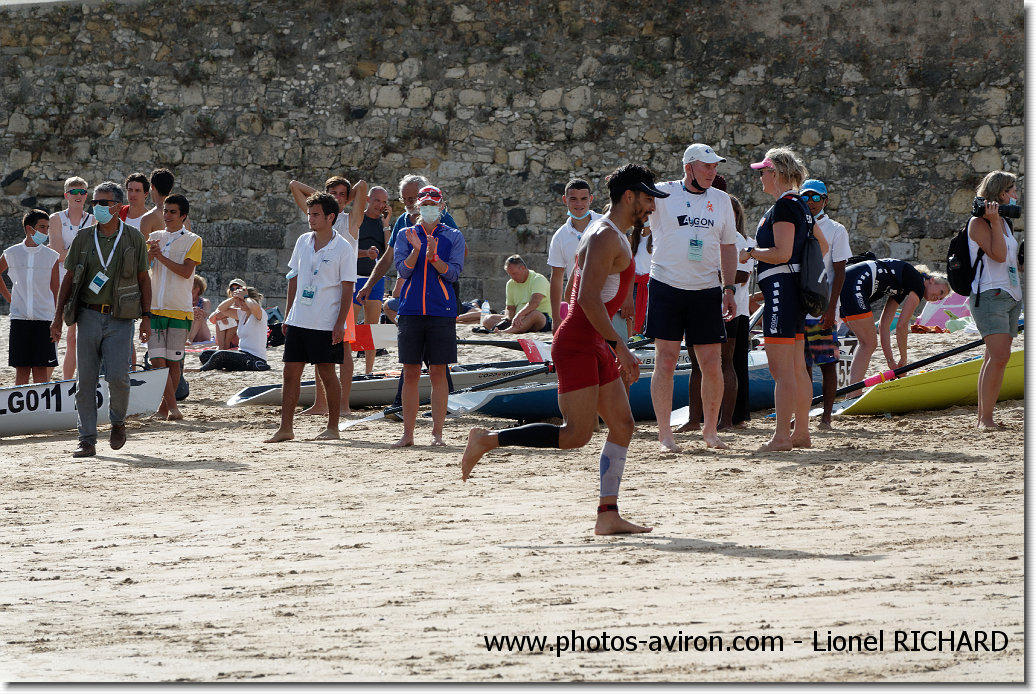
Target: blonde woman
(996, 293)
(779, 241)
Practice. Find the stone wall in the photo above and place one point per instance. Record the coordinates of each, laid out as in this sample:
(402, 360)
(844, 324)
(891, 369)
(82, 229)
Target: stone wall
(901, 107)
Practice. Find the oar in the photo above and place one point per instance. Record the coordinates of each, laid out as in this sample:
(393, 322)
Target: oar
(895, 373)
(481, 386)
(506, 344)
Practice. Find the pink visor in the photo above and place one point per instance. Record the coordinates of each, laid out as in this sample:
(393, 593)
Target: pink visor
(764, 164)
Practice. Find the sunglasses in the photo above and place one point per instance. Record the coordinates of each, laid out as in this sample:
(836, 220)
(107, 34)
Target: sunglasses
(77, 191)
(814, 198)
(106, 203)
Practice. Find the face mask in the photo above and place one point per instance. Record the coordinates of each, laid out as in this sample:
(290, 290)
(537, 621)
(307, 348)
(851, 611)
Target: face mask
(583, 217)
(429, 213)
(39, 238)
(1013, 201)
(102, 214)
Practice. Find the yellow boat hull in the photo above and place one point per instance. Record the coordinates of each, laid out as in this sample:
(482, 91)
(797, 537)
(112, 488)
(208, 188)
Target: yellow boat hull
(937, 389)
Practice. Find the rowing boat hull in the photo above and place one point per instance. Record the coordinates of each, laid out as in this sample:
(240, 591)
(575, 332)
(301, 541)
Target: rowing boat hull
(36, 408)
(937, 389)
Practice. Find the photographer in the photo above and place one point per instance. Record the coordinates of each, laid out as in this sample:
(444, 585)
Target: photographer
(996, 293)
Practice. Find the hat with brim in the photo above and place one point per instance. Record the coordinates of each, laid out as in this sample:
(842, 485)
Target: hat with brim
(645, 187)
(701, 152)
(813, 186)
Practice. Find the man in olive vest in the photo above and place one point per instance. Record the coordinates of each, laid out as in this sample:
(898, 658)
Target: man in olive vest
(106, 287)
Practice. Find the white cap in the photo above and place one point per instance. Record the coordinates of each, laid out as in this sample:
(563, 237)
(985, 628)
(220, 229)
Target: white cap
(702, 153)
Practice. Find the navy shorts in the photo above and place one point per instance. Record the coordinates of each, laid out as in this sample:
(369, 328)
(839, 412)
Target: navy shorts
(377, 291)
(29, 344)
(674, 313)
(312, 346)
(426, 339)
(784, 318)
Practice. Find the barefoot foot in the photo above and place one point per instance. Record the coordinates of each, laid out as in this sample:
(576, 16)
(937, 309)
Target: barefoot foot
(801, 442)
(611, 523)
(404, 441)
(688, 426)
(668, 446)
(438, 442)
(714, 441)
(313, 410)
(776, 445)
(174, 415)
(480, 441)
(824, 425)
(327, 434)
(281, 435)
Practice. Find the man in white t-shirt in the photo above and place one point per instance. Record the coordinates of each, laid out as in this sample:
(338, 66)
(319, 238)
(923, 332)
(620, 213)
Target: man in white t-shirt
(821, 341)
(691, 290)
(561, 257)
(320, 290)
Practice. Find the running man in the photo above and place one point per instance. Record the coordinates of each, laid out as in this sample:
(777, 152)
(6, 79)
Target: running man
(589, 354)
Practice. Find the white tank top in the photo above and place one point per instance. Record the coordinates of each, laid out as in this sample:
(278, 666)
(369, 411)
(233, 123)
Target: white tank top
(69, 230)
(994, 275)
(135, 221)
(611, 282)
(251, 334)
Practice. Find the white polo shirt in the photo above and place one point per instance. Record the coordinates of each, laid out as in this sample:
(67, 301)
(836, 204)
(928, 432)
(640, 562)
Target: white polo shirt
(321, 272)
(837, 247)
(688, 230)
(564, 243)
(30, 269)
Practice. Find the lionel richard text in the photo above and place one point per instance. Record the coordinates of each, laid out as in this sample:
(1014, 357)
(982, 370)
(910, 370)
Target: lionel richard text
(910, 640)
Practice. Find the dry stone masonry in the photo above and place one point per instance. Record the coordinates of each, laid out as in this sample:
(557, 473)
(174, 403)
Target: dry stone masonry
(901, 107)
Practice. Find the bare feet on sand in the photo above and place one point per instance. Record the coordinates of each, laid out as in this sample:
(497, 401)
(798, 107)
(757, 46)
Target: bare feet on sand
(824, 425)
(610, 523)
(990, 426)
(776, 445)
(715, 441)
(174, 415)
(281, 435)
(668, 446)
(403, 442)
(688, 426)
(801, 441)
(313, 410)
(478, 444)
(327, 435)
(438, 442)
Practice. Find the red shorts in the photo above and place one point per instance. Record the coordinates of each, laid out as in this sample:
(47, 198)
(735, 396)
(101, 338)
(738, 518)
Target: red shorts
(582, 361)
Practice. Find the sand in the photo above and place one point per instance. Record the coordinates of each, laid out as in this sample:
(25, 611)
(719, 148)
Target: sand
(198, 553)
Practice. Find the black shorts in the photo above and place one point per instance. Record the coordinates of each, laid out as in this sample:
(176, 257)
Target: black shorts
(29, 344)
(673, 313)
(426, 339)
(784, 319)
(312, 346)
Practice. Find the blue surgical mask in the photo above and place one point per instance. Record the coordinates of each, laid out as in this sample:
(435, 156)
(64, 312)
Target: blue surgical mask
(40, 239)
(102, 214)
(1013, 201)
(583, 217)
(429, 213)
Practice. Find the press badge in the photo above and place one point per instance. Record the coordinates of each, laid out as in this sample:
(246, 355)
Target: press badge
(694, 250)
(98, 282)
(1012, 273)
(308, 292)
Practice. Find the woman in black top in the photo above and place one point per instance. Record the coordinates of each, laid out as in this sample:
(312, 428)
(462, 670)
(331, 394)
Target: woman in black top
(905, 286)
(780, 238)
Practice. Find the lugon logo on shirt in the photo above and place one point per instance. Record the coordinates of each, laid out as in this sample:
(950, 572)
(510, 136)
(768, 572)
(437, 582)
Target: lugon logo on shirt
(688, 221)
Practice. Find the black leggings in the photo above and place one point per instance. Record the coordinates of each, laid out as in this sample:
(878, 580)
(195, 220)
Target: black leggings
(229, 360)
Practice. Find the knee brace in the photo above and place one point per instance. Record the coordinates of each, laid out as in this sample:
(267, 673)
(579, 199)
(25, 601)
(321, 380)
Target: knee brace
(531, 435)
(613, 462)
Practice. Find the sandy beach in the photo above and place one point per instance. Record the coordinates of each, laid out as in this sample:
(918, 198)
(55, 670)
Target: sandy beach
(198, 553)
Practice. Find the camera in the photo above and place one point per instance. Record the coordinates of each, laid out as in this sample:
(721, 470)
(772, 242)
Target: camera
(1011, 211)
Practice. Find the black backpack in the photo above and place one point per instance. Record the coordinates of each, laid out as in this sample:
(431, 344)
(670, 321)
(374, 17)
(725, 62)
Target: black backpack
(814, 291)
(959, 269)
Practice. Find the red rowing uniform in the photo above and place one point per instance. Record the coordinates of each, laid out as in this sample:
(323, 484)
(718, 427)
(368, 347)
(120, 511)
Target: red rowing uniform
(581, 356)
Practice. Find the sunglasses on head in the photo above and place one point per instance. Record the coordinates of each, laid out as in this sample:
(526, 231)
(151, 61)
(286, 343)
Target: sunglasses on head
(77, 191)
(815, 197)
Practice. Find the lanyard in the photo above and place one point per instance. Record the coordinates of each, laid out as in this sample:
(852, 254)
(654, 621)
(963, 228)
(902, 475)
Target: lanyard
(100, 256)
(171, 241)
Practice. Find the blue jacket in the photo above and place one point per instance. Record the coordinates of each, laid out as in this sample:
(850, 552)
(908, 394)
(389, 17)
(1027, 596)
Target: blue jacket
(425, 291)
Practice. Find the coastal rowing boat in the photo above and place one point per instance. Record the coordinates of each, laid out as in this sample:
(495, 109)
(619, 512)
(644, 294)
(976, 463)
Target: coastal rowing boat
(936, 389)
(539, 400)
(39, 407)
(379, 389)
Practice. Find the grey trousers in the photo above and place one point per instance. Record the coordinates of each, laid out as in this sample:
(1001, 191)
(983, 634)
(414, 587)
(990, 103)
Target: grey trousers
(101, 340)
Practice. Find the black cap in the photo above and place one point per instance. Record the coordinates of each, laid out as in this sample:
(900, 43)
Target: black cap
(633, 177)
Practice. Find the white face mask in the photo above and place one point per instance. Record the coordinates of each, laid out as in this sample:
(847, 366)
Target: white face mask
(429, 213)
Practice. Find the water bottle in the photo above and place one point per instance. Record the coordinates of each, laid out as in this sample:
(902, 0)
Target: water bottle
(485, 308)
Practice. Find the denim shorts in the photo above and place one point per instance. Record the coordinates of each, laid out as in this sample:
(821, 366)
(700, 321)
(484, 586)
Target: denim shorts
(996, 313)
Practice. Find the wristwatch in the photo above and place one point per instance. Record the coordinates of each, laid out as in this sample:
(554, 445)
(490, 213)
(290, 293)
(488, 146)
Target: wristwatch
(145, 313)
(731, 287)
